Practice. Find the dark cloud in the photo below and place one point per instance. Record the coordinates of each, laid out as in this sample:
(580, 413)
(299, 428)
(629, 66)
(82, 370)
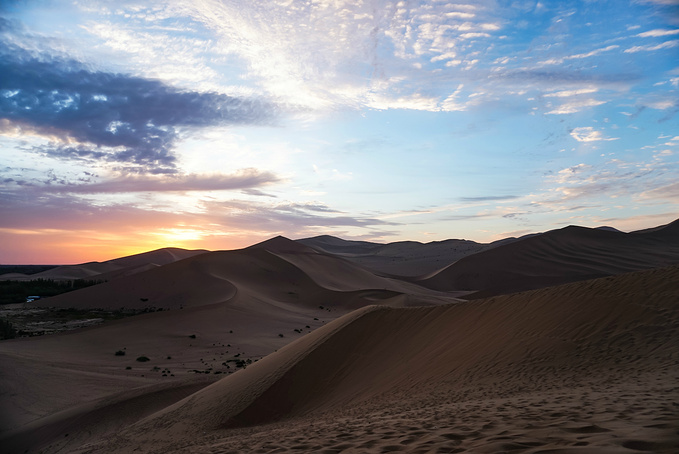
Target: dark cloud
(112, 117)
(257, 192)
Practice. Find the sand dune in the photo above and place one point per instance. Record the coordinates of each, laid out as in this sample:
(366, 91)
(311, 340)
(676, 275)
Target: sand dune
(341, 359)
(403, 258)
(234, 304)
(110, 269)
(559, 256)
(585, 367)
(278, 269)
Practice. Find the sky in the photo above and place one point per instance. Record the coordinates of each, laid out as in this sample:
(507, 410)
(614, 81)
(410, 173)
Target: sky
(128, 126)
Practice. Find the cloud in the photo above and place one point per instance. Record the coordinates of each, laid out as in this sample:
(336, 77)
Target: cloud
(662, 2)
(257, 192)
(650, 48)
(245, 179)
(301, 218)
(575, 106)
(111, 117)
(658, 32)
(569, 93)
(565, 76)
(595, 52)
(588, 134)
(491, 198)
(668, 192)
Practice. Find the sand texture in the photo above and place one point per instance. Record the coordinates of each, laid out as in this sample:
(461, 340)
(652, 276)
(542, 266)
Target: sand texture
(590, 366)
(285, 347)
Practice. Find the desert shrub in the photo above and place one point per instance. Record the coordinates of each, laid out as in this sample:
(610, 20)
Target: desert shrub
(120, 353)
(143, 359)
(192, 336)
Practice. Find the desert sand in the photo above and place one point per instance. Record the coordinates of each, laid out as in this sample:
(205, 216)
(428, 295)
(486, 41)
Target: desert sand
(559, 256)
(110, 269)
(342, 359)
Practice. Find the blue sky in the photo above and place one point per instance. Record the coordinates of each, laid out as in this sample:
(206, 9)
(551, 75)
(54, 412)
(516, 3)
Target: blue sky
(126, 126)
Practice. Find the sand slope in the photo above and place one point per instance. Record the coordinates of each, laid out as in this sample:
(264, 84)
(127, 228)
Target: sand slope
(587, 367)
(110, 269)
(559, 256)
(279, 268)
(234, 304)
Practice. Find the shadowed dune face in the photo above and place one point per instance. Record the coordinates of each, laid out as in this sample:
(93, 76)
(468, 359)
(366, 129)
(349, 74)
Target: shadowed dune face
(559, 256)
(404, 258)
(608, 334)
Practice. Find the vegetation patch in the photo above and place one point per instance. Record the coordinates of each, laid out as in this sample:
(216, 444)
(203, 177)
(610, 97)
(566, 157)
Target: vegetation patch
(30, 321)
(13, 292)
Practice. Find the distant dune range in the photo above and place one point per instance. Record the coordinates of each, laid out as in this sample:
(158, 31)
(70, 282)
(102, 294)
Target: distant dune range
(350, 359)
(559, 256)
(110, 269)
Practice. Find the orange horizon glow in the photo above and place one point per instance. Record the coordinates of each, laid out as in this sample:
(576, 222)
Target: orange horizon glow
(72, 247)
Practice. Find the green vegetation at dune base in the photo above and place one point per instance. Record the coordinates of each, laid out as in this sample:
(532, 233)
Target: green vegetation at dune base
(13, 292)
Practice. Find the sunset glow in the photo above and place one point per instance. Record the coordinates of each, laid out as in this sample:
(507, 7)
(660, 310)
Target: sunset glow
(213, 124)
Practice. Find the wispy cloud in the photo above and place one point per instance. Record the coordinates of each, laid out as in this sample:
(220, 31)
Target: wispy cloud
(244, 179)
(668, 192)
(490, 198)
(575, 106)
(658, 32)
(650, 47)
(589, 134)
(569, 93)
(595, 52)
